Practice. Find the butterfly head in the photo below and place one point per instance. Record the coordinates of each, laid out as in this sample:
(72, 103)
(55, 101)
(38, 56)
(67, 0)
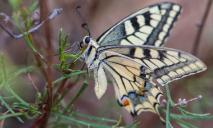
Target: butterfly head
(85, 42)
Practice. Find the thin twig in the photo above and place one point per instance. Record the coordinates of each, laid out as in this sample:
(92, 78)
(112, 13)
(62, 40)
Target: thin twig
(6, 17)
(183, 102)
(32, 82)
(39, 58)
(201, 27)
(52, 15)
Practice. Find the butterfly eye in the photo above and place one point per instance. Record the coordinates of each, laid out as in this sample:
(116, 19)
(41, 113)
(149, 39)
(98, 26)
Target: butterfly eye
(87, 39)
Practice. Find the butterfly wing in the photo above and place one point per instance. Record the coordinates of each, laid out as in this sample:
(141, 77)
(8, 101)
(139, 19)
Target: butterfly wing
(161, 64)
(100, 81)
(133, 93)
(148, 26)
(133, 69)
(130, 51)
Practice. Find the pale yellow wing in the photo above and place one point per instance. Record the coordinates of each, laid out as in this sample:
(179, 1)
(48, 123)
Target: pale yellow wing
(134, 93)
(165, 65)
(100, 81)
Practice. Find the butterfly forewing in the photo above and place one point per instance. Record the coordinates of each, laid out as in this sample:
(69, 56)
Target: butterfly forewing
(149, 26)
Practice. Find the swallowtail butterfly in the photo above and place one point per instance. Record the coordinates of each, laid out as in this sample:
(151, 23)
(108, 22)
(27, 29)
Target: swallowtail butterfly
(131, 53)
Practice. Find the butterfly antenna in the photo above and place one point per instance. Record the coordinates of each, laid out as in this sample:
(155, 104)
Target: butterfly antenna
(84, 25)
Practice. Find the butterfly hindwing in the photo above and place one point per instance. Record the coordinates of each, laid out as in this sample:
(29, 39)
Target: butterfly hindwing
(162, 64)
(100, 81)
(132, 92)
(148, 26)
(133, 69)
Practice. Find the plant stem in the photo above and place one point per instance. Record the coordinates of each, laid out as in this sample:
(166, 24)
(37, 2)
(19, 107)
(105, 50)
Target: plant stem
(42, 121)
(62, 86)
(49, 49)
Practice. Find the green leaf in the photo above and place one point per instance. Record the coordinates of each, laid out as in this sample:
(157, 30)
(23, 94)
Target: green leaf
(101, 119)
(15, 4)
(65, 76)
(63, 55)
(72, 56)
(184, 124)
(13, 93)
(72, 120)
(19, 72)
(33, 6)
(168, 106)
(183, 111)
(4, 103)
(62, 45)
(179, 117)
(20, 17)
(5, 116)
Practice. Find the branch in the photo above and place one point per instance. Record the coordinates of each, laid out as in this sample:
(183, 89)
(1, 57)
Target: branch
(46, 110)
(201, 27)
(184, 102)
(52, 15)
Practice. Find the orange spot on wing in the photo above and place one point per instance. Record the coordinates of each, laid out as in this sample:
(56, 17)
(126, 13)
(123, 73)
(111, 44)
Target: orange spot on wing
(126, 102)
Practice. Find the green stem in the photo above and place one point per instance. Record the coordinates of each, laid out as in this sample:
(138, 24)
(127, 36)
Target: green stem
(17, 97)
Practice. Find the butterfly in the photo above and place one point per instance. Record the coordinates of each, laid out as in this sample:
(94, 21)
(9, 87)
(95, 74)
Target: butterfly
(132, 54)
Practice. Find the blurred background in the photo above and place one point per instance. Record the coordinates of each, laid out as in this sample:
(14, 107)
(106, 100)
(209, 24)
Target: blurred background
(100, 15)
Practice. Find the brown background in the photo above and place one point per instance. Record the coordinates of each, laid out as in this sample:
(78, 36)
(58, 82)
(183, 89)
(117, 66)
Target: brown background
(102, 14)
